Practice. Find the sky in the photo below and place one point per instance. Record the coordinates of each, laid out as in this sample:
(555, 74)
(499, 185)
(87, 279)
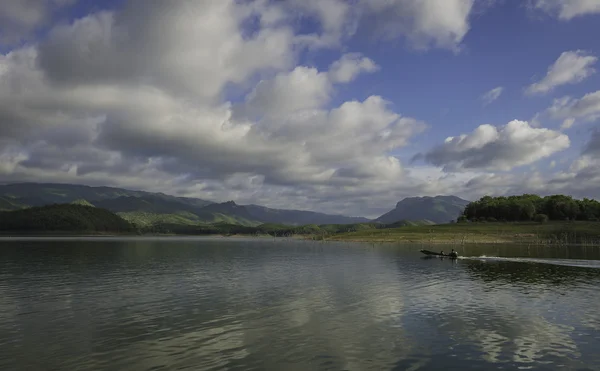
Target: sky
(337, 106)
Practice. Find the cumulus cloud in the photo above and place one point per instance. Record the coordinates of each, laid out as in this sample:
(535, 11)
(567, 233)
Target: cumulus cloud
(497, 148)
(567, 123)
(208, 99)
(18, 19)
(492, 95)
(336, 20)
(133, 98)
(586, 108)
(303, 88)
(425, 23)
(579, 179)
(571, 67)
(566, 10)
(593, 146)
(349, 66)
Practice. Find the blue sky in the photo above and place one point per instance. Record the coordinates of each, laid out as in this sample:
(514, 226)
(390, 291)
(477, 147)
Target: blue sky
(329, 105)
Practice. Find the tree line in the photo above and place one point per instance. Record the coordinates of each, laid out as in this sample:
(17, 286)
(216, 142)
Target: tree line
(530, 207)
(63, 218)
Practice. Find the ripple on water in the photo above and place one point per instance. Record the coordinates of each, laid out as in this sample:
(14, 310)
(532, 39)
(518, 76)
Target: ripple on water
(243, 305)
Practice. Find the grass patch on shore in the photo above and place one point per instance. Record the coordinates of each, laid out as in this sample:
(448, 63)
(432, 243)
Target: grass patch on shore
(552, 233)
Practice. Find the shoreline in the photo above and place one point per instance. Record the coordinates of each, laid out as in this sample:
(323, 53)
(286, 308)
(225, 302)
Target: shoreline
(399, 241)
(534, 234)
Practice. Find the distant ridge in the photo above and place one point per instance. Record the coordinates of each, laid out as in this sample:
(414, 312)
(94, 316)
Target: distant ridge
(68, 218)
(146, 208)
(438, 209)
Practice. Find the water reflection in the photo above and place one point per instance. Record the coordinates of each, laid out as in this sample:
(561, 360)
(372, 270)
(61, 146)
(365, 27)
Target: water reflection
(252, 304)
(533, 275)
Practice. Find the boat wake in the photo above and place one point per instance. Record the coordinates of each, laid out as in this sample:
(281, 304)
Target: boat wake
(564, 262)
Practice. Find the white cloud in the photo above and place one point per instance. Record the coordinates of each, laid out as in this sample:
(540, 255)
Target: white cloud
(335, 20)
(586, 108)
(350, 66)
(20, 18)
(567, 123)
(196, 55)
(425, 23)
(568, 9)
(580, 179)
(139, 98)
(288, 93)
(303, 88)
(157, 118)
(492, 95)
(497, 148)
(571, 67)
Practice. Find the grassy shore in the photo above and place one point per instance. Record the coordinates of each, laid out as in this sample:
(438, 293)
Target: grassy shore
(552, 233)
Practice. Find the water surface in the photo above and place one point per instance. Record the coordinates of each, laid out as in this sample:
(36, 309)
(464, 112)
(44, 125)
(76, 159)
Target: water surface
(212, 304)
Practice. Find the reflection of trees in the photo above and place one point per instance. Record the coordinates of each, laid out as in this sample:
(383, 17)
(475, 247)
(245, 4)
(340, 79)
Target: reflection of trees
(538, 274)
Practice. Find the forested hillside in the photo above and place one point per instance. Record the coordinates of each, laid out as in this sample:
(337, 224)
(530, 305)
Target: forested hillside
(63, 218)
(531, 207)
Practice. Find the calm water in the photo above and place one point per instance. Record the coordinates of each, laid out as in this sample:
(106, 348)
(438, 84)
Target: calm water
(208, 304)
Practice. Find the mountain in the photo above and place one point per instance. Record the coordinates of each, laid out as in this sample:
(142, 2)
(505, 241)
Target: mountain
(146, 209)
(39, 194)
(297, 217)
(438, 209)
(63, 218)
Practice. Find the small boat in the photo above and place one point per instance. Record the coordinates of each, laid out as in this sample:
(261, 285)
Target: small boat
(453, 255)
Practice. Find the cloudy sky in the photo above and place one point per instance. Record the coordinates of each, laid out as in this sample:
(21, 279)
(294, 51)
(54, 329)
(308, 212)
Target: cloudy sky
(339, 106)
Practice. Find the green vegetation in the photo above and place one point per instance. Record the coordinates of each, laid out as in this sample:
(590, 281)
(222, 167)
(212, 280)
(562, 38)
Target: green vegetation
(551, 233)
(143, 219)
(275, 230)
(526, 219)
(63, 218)
(532, 207)
(298, 217)
(9, 204)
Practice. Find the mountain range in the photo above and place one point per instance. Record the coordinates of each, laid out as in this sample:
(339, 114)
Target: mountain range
(146, 209)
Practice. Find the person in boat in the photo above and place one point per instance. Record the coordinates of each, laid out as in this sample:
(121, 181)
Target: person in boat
(442, 252)
(453, 254)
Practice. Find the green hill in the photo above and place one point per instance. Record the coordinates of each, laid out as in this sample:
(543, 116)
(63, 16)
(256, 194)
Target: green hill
(439, 210)
(63, 218)
(142, 219)
(409, 223)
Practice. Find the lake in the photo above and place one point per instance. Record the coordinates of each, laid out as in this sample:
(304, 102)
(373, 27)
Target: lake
(263, 304)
